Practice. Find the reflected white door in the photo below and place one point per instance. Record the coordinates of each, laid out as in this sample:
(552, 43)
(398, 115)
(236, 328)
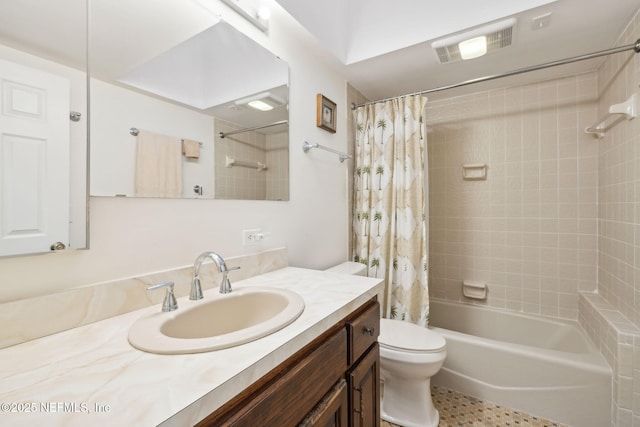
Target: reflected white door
(34, 159)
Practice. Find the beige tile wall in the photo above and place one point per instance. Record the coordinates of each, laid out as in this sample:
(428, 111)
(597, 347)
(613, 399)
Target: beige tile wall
(247, 183)
(618, 340)
(239, 182)
(530, 229)
(277, 157)
(616, 309)
(619, 189)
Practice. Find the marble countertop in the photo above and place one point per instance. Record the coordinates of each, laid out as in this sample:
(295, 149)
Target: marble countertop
(92, 375)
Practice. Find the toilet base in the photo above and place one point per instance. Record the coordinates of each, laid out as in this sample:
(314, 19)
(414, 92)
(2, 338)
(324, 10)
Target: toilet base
(404, 423)
(408, 403)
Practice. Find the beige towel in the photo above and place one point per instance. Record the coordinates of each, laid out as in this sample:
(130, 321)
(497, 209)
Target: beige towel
(158, 166)
(191, 148)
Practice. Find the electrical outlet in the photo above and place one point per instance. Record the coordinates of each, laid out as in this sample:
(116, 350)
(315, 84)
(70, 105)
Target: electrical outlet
(251, 236)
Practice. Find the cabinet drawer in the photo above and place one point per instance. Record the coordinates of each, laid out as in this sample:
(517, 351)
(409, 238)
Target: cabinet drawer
(363, 331)
(287, 400)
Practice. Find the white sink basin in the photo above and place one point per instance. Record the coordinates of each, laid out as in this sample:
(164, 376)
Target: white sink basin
(217, 321)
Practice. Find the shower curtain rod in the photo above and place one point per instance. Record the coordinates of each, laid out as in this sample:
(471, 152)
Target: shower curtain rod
(281, 122)
(635, 47)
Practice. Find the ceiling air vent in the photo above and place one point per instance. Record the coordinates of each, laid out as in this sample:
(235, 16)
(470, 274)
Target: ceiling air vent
(498, 35)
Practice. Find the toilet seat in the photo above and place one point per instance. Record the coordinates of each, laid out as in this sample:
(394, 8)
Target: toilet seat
(407, 337)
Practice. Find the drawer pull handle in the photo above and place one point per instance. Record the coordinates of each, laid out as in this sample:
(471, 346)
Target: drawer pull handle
(369, 331)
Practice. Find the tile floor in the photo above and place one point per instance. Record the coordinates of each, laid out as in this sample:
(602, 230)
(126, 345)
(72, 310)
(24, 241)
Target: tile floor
(457, 409)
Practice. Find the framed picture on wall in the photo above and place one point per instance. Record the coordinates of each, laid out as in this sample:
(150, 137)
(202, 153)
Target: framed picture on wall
(326, 114)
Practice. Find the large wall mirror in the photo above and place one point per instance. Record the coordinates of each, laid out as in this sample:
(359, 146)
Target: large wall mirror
(43, 126)
(183, 105)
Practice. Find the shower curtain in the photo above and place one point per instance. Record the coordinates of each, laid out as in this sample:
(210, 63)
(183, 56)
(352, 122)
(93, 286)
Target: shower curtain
(389, 206)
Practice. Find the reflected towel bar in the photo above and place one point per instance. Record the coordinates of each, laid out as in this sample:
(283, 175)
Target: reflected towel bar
(136, 131)
(342, 156)
(231, 162)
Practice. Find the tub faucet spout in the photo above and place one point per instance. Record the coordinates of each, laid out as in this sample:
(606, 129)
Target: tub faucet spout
(225, 284)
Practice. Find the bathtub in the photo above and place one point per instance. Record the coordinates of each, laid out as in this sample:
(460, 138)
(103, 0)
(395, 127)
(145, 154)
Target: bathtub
(542, 366)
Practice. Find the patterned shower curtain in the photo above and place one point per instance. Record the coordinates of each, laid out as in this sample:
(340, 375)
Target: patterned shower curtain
(389, 219)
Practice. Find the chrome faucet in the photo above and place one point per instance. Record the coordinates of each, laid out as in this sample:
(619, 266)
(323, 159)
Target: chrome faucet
(225, 284)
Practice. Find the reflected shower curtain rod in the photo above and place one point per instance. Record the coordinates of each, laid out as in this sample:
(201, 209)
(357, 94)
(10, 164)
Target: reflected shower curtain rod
(281, 122)
(635, 47)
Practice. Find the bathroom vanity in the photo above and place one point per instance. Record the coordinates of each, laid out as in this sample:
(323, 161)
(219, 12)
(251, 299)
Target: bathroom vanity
(322, 369)
(333, 381)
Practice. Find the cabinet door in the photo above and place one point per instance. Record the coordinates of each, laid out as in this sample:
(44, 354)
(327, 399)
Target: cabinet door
(332, 411)
(364, 391)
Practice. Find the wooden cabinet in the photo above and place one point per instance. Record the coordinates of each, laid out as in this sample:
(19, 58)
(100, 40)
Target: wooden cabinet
(333, 381)
(363, 376)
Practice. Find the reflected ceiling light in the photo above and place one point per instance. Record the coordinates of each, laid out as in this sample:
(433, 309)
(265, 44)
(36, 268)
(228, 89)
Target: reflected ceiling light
(264, 101)
(260, 105)
(475, 43)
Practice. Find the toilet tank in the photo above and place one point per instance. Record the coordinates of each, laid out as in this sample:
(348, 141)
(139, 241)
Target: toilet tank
(350, 267)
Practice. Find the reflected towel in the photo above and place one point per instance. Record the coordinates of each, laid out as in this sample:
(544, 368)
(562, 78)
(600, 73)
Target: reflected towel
(158, 166)
(191, 148)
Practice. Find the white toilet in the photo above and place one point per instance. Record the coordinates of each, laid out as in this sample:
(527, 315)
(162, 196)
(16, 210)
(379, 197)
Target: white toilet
(409, 356)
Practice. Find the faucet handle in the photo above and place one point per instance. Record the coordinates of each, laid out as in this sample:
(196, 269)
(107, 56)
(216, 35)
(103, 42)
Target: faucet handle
(225, 284)
(169, 303)
(227, 270)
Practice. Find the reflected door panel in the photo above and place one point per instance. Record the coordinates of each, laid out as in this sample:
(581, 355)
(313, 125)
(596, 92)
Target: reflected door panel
(34, 159)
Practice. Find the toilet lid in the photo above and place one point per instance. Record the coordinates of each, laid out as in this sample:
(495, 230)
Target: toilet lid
(409, 337)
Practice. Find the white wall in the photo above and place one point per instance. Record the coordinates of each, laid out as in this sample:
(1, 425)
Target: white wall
(136, 236)
(114, 111)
